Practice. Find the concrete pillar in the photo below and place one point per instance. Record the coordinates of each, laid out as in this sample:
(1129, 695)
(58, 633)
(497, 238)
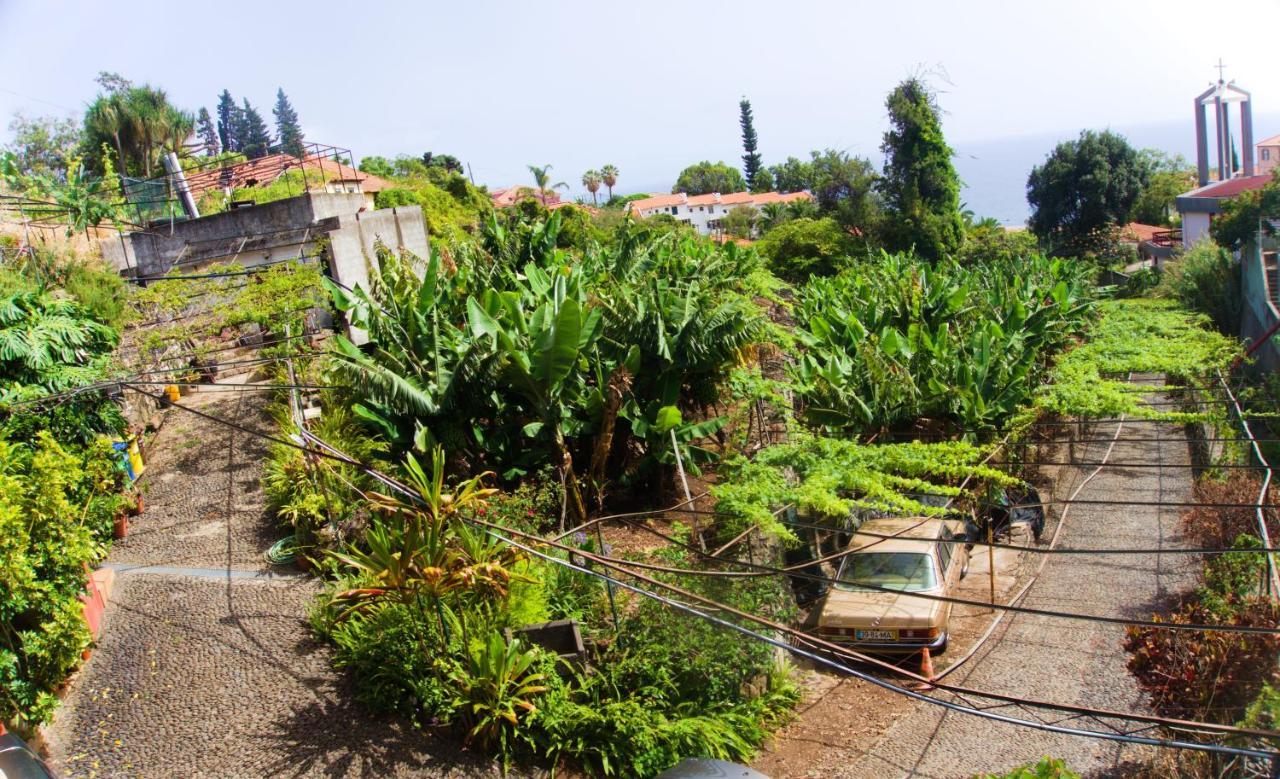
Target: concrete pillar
(1246, 136)
(1202, 145)
(1217, 120)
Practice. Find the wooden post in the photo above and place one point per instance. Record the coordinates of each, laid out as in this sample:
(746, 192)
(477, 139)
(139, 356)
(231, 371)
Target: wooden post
(688, 497)
(991, 566)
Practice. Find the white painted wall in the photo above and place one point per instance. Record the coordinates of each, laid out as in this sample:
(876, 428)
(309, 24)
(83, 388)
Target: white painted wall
(1195, 226)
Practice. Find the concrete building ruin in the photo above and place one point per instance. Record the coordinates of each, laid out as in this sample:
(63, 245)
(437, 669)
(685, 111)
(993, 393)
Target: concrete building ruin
(336, 215)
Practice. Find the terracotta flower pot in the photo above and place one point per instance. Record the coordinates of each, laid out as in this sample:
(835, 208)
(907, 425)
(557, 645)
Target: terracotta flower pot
(121, 526)
(137, 505)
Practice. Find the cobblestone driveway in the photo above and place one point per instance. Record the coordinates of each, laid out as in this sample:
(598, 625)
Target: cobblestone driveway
(1053, 659)
(206, 666)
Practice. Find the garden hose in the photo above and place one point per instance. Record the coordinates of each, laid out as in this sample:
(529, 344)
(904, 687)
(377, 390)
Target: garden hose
(283, 552)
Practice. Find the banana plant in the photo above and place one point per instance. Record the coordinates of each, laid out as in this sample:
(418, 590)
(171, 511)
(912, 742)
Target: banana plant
(543, 356)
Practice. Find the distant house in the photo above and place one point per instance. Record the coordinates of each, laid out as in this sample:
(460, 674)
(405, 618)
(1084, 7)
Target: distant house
(335, 176)
(509, 196)
(1268, 154)
(705, 213)
(1199, 206)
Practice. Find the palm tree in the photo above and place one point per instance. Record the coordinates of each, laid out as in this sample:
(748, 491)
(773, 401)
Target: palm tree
(591, 180)
(774, 214)
(541, 177)
(609, 175)
(106, 118)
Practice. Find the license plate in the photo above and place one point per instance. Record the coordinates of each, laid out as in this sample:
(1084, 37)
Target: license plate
(876, 635)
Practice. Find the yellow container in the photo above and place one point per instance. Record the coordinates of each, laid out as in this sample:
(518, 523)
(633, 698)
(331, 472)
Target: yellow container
(135, 457)
(171, 392)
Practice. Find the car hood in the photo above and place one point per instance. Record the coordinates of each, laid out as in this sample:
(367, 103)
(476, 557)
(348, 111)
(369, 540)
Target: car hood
(858, 609)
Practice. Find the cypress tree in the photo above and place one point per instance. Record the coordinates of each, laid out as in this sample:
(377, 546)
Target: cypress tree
(229, 122)
(287, 128)
(204, 129)
(751, 159)
(255, 139)
(920, 187)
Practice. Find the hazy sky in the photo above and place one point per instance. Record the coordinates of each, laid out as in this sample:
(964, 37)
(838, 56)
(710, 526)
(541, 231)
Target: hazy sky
(648, 86)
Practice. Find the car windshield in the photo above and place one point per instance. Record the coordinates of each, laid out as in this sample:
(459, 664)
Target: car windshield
(907, 571)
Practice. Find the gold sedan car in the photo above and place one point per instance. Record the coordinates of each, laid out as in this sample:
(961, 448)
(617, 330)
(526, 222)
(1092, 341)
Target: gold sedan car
(927, 557)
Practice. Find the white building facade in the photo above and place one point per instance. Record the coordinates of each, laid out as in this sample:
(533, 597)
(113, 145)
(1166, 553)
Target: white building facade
(705, 213)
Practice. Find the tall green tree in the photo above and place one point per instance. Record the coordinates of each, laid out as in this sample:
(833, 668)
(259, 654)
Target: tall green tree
(920, 187)
(254, 135)
(447, 162)
(591, 180)
(43, 145)
(751, 164)
(208, 135)
(609, 175)
(1084, 186)
(1168, 175)
(845, 188)
(288, 131)
(793, 175)
(229, 122)
(705, 177)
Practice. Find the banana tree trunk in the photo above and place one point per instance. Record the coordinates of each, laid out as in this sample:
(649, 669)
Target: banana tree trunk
(573, 496)
(619, 383)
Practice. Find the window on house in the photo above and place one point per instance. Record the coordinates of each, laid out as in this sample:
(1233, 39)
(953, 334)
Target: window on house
(1266, 154)
(675, 209)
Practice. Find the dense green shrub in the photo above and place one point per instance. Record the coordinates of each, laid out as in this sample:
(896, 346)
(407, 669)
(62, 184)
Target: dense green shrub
(51, 527)
(382, 650)
(51, 344)
(806, 247)
(987, 243)
(1206, 279)
(102, 292)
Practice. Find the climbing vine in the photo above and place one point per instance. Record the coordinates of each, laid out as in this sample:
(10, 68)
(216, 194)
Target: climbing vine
(833, 478)
(1133, 336)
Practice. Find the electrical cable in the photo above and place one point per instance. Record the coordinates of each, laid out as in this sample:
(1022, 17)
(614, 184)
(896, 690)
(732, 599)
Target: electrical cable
(795, 571)
(1078, 710)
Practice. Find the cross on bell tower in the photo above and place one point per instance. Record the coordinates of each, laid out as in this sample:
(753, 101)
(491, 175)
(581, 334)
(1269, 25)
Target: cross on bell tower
(1221, 95)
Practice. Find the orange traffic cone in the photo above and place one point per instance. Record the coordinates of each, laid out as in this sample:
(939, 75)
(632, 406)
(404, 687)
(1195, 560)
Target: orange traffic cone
(926, 668)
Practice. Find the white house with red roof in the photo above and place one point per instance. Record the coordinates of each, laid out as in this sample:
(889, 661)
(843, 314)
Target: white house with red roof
(705, 213)
(1200, 206)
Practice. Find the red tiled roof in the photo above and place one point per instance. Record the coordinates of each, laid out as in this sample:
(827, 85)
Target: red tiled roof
(1272, 141)
(509, 196)
(1230, 187)
(715, 198)
(658, 201)
(266, 169)
(1136, 231)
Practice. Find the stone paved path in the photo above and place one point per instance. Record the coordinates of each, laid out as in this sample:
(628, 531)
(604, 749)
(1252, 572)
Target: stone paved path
(206, 667)
(1053, 659)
